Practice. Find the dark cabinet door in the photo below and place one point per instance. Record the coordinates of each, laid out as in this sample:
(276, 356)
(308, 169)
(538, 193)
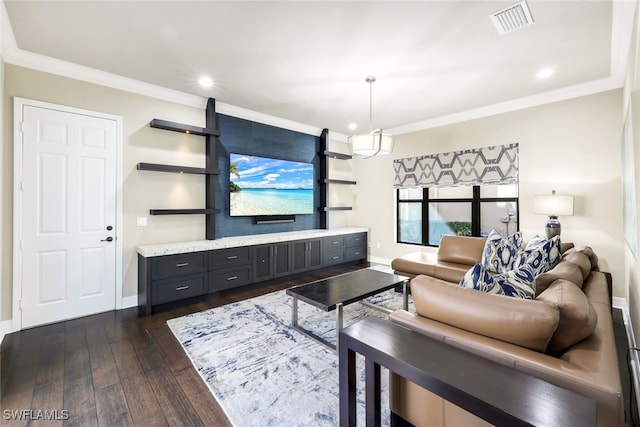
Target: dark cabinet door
(262, 263)
(281, 259)
(315, 253)
(306, 255)
(300, 256)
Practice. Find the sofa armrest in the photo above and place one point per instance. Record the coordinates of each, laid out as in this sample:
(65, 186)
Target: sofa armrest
(603, 267)
(602, 386)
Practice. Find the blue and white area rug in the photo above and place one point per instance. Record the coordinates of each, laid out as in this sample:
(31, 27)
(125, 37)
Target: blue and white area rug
(265, 373)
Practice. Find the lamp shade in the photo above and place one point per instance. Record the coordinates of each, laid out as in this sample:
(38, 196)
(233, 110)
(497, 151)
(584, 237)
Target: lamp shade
(372, 144)
(553, 204)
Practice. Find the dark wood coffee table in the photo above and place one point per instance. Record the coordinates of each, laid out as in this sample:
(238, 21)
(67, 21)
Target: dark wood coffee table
(336, 292)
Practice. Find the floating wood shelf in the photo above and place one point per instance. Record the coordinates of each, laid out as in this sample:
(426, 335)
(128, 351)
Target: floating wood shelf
(173, 168)
(334, 155)
(183, 211)
(336, 181)
(182, 128)
(210, 171)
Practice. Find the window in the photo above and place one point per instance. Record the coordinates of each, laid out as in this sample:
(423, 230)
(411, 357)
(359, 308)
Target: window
(425, 214)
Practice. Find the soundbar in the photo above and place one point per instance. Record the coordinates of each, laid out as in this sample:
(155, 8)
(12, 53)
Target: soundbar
(274, 219)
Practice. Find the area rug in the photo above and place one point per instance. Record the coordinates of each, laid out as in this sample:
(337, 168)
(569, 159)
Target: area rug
(265, 373)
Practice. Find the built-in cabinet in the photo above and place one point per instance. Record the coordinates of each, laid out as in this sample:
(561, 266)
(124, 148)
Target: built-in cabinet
(272, 260)
(307, 255)
(230, 268)
(169, 278)
(344, 248)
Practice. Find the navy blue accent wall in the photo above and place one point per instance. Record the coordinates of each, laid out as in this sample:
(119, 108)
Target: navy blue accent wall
(257, 139)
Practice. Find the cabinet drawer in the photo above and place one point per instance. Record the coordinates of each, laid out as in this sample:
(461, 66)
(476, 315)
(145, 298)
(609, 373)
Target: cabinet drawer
(223, 259)
(356, 252)
(228, 279)
(332, 242)
(179, 288)
(333, 257)
(178, 265)
(356, 239)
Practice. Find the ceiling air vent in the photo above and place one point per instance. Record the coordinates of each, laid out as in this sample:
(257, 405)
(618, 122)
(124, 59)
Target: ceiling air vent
(512, 18)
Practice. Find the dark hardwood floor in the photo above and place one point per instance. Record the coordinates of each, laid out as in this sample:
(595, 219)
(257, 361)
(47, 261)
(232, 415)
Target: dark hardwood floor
(115, 369)
(120, 369)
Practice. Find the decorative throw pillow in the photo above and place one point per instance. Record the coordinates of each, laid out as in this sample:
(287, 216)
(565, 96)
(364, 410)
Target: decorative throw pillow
(540, 255)
(518, 283)
(500, 254)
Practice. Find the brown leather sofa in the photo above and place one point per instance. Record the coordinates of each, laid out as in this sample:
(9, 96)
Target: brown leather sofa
(564, 336)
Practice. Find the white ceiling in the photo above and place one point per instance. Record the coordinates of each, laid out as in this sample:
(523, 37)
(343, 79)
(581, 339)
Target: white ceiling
(306, 61)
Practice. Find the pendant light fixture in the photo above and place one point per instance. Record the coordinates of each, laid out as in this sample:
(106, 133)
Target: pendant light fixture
(375, 142)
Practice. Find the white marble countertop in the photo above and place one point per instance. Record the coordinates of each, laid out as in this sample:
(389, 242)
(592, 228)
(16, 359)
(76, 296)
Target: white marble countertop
(239, 241)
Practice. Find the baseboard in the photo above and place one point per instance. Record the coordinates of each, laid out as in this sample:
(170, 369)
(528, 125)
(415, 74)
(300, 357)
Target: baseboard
(6, 327)
(621, 303)
(128, 302)
(379, 260)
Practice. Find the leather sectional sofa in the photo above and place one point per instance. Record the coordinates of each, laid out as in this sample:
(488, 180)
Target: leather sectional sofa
(564, 335)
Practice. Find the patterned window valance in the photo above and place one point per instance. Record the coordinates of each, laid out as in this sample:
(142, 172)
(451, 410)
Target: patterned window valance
(488, 165)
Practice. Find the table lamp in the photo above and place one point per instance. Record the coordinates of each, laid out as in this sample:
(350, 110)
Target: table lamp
(553, 205)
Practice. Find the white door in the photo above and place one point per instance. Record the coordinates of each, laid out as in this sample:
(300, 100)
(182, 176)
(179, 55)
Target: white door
(68, 204)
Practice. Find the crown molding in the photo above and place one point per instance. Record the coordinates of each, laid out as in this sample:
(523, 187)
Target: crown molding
(622, 17)
(562, 94)
(623, 14)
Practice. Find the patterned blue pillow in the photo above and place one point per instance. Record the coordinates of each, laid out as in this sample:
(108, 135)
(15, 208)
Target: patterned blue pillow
(518, 283)
(540, 255)
(500, 254)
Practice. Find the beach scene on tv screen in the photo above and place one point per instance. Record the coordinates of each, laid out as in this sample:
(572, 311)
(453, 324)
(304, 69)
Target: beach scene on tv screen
(265, 186)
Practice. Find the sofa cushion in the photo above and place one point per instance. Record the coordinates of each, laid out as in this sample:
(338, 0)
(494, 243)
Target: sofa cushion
(564, 270)
(580, 260)
(540, 254)
(450, 271)
(586, 250)
(460, 249)
(518, 283)
(499, 253)
(578, 318)
(527, 323)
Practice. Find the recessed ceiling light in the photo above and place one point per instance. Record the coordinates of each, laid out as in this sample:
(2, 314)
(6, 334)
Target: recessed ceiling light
(205, 81)
(353, 126)
(544, 73)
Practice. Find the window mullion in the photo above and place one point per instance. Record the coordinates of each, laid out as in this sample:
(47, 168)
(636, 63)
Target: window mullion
(425, 216)
(475, 211)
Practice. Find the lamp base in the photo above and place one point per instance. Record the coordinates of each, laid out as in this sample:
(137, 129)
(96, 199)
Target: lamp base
(553, 227)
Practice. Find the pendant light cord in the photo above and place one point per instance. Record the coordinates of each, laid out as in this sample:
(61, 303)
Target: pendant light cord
(370, 80)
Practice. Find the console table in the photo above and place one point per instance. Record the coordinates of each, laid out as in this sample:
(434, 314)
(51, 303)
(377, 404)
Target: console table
(496, 393)
(175, 271)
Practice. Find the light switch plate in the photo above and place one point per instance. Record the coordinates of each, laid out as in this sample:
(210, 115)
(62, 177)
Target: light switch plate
(142, 221)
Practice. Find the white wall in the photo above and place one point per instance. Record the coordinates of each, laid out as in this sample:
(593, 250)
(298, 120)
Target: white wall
(631, 100)
(571, 146)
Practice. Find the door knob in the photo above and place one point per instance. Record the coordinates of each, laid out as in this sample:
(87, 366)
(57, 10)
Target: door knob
(108, 239)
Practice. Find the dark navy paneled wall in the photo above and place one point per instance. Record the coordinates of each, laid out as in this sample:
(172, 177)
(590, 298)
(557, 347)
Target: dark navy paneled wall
(246, 137)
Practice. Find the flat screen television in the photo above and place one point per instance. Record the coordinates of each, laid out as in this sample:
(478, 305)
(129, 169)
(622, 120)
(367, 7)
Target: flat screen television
(261, 186)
